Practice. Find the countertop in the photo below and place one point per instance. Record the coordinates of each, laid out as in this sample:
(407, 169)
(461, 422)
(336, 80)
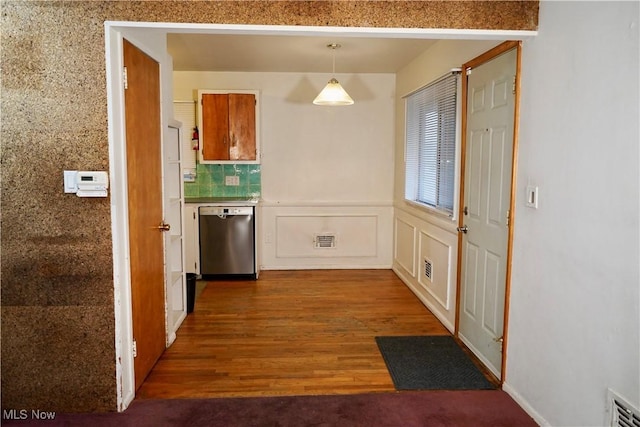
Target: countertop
(227, 201)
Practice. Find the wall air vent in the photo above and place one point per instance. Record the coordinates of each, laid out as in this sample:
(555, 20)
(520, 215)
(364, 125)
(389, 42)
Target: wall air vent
(623, 414)
(324, 241)
(428, 269)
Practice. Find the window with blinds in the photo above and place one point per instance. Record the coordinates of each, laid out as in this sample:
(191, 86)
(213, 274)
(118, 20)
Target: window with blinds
(430, 163)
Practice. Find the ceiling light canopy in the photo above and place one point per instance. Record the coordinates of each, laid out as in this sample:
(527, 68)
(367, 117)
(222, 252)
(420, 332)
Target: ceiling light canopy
(333, 93)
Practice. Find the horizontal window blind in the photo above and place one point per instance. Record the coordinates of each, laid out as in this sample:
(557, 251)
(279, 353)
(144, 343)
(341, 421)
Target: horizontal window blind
(431, 144)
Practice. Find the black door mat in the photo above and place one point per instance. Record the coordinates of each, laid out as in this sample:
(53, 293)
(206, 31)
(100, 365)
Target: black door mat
(430, 363)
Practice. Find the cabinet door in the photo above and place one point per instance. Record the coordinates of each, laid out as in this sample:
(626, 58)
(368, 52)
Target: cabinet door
(242, 126)
(215, 127)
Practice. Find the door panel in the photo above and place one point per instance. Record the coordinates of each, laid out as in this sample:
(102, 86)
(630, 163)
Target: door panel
(474, 172)
(242, 128)
(496, 204)
(471, 286)
(487, 198)
(492, 305)
(144, 186)
(215, 127)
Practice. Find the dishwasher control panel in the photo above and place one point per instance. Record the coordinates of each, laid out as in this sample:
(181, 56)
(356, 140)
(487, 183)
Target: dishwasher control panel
(219, 210)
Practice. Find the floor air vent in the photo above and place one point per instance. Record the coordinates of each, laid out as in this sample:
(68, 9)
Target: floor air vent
(428, 269)
(622, 413)
(325, 241)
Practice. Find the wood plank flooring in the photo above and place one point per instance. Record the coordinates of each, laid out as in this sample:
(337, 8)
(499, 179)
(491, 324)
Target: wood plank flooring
(289, 333)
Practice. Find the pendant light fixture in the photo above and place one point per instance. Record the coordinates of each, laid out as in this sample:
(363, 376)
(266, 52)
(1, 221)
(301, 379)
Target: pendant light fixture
(333, 93)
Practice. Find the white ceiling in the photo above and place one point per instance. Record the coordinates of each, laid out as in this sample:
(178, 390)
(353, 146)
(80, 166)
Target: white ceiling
(285, 53)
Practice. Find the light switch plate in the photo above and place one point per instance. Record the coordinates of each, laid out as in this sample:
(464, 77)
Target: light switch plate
(232, 180)
(532, 197)
(70, 185)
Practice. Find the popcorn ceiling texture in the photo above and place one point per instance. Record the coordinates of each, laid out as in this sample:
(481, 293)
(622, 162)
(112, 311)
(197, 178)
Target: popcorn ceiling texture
(56, 251)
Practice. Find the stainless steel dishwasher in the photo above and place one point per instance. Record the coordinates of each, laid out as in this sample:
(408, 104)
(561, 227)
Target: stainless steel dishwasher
(227, 241)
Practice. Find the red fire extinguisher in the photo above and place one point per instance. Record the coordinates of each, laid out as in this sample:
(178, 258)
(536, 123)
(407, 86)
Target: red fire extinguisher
(195, 139)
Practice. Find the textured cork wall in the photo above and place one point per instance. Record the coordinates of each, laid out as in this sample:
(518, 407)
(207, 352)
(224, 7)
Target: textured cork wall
(57, 285)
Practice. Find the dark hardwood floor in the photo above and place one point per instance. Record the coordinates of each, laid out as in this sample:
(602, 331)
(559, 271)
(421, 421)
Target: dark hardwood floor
(289, 333)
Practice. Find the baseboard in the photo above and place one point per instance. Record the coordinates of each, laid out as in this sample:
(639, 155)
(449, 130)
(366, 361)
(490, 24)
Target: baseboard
(326, 267)
(447, 324)
(524, 405)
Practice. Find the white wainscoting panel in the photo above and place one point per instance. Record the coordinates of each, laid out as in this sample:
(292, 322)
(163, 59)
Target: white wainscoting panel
(355, 235)
(363, 235)
(438, 254)
(405, 253)
(437, 242)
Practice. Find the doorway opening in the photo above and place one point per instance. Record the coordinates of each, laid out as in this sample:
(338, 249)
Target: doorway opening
(151, 38)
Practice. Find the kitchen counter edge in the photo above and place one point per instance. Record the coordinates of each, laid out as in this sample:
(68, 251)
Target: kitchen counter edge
(221, 201)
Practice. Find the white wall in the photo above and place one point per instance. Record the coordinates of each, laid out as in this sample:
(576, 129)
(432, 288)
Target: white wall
(574, 316)
(418, 233)
(322, 167)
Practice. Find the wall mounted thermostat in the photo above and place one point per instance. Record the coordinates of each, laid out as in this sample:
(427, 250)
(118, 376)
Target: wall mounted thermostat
(86, 183)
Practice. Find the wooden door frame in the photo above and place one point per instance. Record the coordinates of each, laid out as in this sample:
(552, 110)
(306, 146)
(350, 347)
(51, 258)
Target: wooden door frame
(474, 63)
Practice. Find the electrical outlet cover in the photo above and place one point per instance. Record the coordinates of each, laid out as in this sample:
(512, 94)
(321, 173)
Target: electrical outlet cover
(232, 180)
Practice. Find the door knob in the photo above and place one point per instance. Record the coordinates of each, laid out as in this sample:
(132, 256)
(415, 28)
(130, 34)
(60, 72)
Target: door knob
(164, 226)
(463, 229)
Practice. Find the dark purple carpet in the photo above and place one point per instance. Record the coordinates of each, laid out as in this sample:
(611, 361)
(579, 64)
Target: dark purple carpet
(475, 408)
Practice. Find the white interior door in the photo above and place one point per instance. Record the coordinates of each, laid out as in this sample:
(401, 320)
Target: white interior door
(487, 199)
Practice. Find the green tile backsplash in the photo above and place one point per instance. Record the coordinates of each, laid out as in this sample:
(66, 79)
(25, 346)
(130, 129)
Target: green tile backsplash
(210, 181)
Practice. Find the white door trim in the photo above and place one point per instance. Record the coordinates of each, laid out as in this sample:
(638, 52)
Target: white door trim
(294, 30)
(123, 324)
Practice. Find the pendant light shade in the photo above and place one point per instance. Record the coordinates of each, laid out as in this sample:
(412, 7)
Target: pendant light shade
(333, 93)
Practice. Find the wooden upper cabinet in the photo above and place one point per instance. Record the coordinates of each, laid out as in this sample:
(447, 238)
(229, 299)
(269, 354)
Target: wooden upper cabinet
(215, 127)
(228, 125)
